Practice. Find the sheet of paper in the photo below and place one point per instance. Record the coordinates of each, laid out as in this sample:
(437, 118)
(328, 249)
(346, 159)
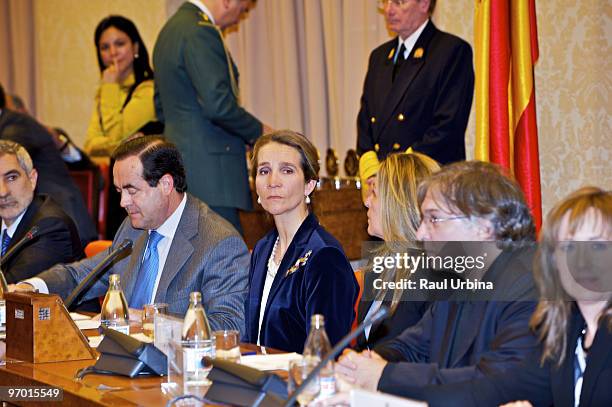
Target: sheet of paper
(87, 324)
(78, 317)
(269, 362)
(142, 337)
(94, 341)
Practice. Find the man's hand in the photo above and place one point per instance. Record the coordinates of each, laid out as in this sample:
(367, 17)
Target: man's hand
(361, 369)
(21, 288)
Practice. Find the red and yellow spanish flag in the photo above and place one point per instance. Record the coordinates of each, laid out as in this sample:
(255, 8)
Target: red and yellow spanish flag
(506, 49)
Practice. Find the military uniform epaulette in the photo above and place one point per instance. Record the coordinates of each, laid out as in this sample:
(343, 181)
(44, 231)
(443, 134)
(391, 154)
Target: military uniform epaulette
(205, 20)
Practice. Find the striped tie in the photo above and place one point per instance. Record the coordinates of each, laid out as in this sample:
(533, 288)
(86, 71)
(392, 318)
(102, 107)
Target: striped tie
(6, 241)
(147, 274)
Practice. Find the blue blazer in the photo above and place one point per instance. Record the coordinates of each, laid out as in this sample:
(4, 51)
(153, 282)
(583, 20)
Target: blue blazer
(322, 284)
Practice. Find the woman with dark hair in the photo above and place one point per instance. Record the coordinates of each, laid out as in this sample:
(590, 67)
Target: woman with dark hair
(124, 100)
(298, 269)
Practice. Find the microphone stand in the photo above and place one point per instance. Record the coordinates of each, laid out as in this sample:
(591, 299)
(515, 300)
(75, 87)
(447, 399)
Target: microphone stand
(382, 313)
(96, 271)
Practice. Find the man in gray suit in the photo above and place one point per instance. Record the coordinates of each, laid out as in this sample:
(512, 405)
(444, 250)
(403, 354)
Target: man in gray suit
(196, 96)
(180, 245)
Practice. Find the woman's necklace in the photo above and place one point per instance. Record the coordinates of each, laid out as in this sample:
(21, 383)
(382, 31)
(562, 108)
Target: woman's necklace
(272, 266)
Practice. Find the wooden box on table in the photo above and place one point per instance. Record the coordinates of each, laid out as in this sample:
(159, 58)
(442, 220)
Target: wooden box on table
(39, 329)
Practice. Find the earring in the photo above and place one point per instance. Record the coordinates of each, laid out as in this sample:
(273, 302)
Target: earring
(307, 200)
(258, 199)
(136, 55)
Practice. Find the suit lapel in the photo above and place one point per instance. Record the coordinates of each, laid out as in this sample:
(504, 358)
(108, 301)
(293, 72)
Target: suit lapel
(181, 248)
(406, 75)
(260, 270)
(294, 252)
(472, 314)
(599, 356)
(384, 83)
(131, 272)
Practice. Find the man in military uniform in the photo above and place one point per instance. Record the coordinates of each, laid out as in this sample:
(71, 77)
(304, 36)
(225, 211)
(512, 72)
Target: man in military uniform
(196, 95)
(418, 90)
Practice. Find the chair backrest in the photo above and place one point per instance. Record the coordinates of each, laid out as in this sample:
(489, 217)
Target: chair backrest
(96, 247)
(359, 275)
(88, 182)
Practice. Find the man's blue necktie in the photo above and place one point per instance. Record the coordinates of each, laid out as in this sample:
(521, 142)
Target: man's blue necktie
(147, 274)
(6, 241)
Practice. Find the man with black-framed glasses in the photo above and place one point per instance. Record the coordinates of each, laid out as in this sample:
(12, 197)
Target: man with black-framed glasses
(418, 90)
(469, 205)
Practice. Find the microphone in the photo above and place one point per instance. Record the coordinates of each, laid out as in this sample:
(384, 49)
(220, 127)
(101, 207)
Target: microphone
(96, 271)
(30, 235)
(382, 313)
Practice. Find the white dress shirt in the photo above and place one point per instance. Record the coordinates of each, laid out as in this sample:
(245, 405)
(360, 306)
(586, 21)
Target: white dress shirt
(410, 41)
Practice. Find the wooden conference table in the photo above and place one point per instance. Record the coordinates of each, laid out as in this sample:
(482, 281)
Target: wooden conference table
(93, 390)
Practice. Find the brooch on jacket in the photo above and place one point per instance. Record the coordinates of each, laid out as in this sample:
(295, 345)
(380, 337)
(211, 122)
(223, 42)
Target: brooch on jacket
(299, 263)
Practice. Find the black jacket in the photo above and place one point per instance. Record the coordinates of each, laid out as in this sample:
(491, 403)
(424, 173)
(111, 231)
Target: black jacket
(542, 385)
(57, 241)
(427, 106)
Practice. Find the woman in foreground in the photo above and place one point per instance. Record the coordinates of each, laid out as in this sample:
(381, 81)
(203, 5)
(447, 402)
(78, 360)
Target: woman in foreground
(298, 269)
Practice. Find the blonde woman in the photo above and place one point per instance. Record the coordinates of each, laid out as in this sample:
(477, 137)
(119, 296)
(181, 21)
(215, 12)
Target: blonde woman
(393, 215)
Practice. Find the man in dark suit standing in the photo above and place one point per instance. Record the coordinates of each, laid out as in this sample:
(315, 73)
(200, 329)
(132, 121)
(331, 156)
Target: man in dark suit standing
(196, 95)
(418, 90)
(473, 332)
(179, 244)
(57, 239)
(53, 176)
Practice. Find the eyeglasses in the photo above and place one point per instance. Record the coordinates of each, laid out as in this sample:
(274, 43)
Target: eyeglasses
(382, 4)
(432, 220)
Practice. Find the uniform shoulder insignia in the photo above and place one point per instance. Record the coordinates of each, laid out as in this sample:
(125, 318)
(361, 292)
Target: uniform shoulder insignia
(205, 20)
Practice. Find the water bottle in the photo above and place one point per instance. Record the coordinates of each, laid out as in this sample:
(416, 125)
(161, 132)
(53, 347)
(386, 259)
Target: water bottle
(114, 313)
(197, 342)
(316, 348)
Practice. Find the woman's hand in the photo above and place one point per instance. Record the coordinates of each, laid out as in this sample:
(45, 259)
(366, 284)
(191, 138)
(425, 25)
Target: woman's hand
(111, 73)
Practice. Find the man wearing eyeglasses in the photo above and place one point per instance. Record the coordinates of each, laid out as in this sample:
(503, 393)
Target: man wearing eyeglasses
(418, 90)
(470, 334)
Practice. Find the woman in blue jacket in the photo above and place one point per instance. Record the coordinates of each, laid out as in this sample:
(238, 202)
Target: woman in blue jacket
(298, 269)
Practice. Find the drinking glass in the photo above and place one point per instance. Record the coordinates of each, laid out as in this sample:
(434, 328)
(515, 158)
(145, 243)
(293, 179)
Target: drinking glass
(148, 315)
(227, 345)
